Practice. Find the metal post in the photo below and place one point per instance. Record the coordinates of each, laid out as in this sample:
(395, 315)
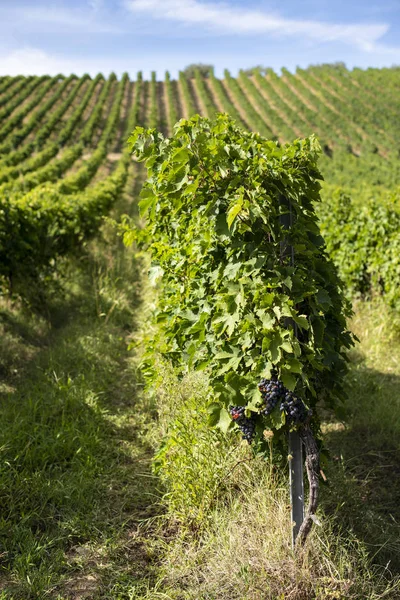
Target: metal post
(296, 481)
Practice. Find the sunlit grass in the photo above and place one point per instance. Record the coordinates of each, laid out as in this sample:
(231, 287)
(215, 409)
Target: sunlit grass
(240, 548)
(75, 479)
(81, 508)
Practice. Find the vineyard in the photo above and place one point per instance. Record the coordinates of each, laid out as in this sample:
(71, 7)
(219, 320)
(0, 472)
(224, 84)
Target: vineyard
(63, 152)
(92, 463)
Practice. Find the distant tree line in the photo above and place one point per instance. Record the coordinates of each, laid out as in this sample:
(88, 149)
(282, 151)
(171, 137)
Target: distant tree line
(205, 70)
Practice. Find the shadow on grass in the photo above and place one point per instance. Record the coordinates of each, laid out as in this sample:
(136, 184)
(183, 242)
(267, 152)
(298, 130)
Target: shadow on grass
(75, 473)
(364, 475)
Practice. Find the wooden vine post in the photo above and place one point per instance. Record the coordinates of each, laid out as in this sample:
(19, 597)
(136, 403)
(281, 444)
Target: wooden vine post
(301, 524)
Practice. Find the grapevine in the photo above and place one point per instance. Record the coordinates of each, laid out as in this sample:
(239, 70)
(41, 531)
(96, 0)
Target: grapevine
(57, 115)
(247, 425)
(273, 393)
(172, 111)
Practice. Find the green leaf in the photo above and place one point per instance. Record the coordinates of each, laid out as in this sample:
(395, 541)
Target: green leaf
(323, 299)
(294, 365)
(267, 371)
(277, 418)
(267, 319)
(288, 380)
(277, 312)
(275, 347)
(301, 321)
(225, 420)
(234, 211)
(228, 322)
(318, 328)
(147, 199)
(213, 410)
(287, 346)
(180, 156)
(253, 398)
(288, 282)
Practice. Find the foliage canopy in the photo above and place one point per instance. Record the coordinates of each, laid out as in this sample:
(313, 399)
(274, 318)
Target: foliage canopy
(231, 300)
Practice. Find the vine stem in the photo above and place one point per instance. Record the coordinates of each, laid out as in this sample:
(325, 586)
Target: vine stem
(312, 467)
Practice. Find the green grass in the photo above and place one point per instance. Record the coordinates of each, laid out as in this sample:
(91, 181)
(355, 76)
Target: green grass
(81, 511)
(75, 481)
(239, 548)
(82, 514)
(365, 450)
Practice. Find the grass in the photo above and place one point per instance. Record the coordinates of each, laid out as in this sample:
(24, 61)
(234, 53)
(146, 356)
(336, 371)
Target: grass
(75, 479)
(366, 450)
(243, 553)
(82, 513)
(239, 548)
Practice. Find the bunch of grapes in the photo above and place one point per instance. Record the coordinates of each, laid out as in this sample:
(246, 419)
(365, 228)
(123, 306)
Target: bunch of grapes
(272, 391)
(295, 409)
(247, 425)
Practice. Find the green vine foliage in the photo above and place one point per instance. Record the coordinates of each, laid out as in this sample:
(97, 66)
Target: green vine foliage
(363, 240)
(231, 302)
(38, 227)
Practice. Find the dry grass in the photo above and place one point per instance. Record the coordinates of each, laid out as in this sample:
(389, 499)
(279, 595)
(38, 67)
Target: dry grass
(240, 549)
(243, 553)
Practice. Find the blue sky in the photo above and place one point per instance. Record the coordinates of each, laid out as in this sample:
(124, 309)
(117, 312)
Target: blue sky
(43, 36)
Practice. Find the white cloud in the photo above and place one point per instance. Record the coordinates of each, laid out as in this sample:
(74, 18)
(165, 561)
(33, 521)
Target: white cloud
(223, 17)
(34, 61)
(46, 19)
(30, 61)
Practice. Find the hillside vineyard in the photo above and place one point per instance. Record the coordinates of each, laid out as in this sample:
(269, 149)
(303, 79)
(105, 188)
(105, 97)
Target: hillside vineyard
(63, 150)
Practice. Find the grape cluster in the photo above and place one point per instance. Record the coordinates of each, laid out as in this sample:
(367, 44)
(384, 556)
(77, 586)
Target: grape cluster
(247, 425)
(295, 410)
(272, 392)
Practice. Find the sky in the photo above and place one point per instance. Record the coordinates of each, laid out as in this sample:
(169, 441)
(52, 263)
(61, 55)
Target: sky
(79, 36)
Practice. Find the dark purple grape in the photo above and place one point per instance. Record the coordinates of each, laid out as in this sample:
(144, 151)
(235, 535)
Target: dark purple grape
(273, 391)
(247, 425)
